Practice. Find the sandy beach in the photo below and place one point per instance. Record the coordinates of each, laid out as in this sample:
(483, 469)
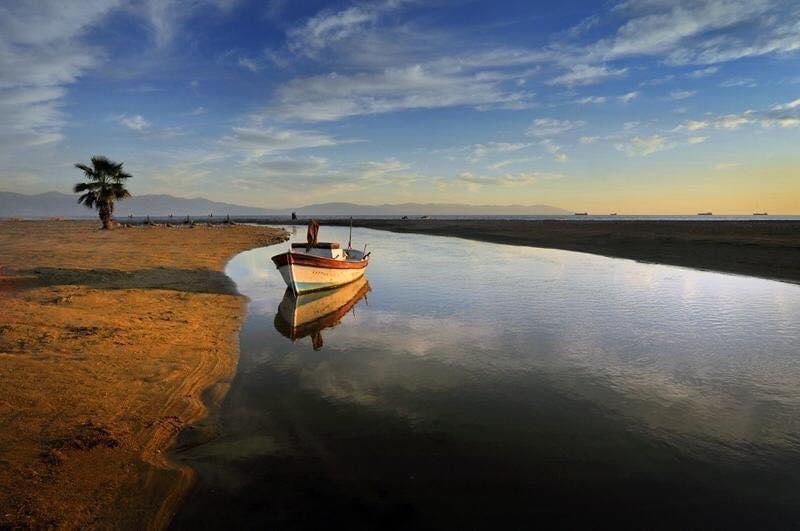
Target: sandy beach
(767, 249)
(108, 341)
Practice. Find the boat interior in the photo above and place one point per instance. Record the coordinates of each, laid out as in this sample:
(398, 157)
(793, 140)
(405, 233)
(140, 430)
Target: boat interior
(328, 250)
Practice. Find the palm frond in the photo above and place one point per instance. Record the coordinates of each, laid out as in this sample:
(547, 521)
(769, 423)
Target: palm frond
(88, 199)
(86, 169)
(82, 187)
(103, 166)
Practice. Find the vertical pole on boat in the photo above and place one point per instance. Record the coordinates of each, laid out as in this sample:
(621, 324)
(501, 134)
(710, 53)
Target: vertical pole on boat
(350, 239)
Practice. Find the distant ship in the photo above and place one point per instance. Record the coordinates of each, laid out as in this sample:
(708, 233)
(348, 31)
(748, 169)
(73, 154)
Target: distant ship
(581, 214)
(613, 214)
(760, 214)
(705, 214)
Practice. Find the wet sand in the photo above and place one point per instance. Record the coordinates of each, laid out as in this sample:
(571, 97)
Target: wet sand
(110, 342)
(767, 249)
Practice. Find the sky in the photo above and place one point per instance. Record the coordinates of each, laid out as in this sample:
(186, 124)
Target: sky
(632, 106)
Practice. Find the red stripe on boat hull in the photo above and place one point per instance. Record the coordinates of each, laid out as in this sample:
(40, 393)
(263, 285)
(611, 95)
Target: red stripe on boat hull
(316, 261)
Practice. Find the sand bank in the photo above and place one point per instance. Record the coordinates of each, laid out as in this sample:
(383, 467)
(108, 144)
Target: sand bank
(768, 249)
(107, 340)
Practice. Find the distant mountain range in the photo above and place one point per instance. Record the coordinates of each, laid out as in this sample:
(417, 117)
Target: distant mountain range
(57, 204)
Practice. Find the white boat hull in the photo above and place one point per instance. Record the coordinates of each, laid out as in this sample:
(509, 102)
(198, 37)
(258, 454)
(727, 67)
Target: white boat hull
(303, 279)
(312, 271)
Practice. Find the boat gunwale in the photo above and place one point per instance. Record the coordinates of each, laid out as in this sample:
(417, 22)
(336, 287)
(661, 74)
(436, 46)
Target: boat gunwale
(302, 259)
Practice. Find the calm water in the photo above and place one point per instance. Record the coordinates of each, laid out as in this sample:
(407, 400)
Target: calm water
(488, 386)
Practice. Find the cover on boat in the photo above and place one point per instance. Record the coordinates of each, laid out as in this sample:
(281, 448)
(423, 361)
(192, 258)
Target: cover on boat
(313, 230)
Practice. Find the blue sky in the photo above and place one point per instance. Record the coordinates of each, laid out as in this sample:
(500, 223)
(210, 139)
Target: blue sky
(638, 106)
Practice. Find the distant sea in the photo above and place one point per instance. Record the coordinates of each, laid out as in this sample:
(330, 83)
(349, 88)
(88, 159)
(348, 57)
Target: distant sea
(561, 217)
(572, 217)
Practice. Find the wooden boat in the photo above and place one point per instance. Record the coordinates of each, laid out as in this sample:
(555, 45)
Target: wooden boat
(308, 314)
(760, 214)
(580, 214)
(315, 266)
(705, 214)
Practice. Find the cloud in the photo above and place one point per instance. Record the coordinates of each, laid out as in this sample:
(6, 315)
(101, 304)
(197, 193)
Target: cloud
(381, 171)
(592, 99)
(785, 115)
(658, 81)
(555, 150)
(249, 64)
(643, 146)
(482, 150)
(318, 177)
(294, 167)
(794, 104)
(739, 82)
(256, 142)
(703, 72)
(509, 162)
(330, 26)
(134, 123)
(165, 17)
(681, 94)
(722, 166)
(41, 53)
(630, 96)
(506, 180)
(552, 126)
(336, 96)
(733, 121)
(589, 139)
(696, 139)
(696, 125)
(700, 31)
(781, 121)
(583, 74)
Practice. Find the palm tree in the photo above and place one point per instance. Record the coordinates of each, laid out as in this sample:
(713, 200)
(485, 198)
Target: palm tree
(105, 184)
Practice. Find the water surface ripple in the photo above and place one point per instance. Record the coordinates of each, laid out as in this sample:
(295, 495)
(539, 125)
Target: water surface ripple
(485, 386)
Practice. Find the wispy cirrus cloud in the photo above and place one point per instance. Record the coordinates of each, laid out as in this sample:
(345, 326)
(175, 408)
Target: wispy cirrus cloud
(256, 141)
(555, 150)
(330, 26)
(41, 53)
(681, 94)
(703, 72)
(507, 180)
(585, 74)
(480, 151)
(643, 146)
(553, 126)
(699, 31)
(336, 96)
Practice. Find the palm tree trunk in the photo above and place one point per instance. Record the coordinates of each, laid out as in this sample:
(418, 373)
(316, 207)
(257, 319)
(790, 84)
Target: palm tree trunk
(105, 216)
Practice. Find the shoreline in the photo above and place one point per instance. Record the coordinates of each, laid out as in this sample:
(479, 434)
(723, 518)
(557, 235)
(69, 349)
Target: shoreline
(768, 249)
(109, 344)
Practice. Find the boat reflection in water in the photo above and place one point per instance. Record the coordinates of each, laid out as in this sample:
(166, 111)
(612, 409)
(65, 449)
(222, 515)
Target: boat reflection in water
(308, 314)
